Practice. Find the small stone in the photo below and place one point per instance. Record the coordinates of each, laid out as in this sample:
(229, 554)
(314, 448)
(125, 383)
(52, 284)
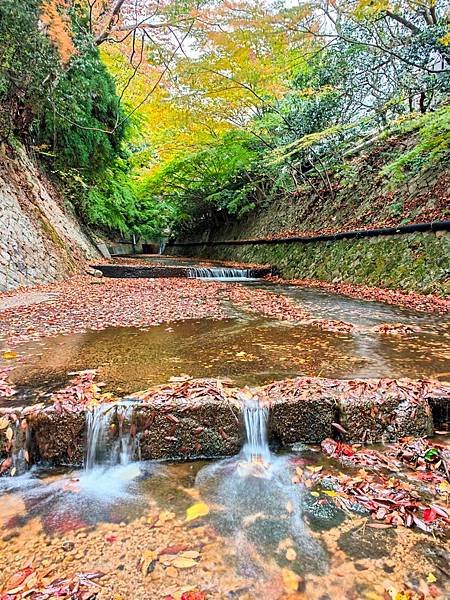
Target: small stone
(67, 546)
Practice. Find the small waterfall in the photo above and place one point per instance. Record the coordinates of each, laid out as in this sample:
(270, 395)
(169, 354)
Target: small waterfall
(21, 444)
(162, 246)
(111, 436)
(218, 273)
(256, 448)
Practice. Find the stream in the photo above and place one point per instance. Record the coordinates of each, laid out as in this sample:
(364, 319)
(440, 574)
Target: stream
(249, 349)
(236, 528)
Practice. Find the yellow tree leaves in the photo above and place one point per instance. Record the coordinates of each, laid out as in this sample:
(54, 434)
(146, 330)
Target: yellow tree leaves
(58, 28)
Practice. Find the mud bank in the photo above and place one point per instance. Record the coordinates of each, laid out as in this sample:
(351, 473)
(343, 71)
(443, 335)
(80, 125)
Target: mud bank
(199, 418)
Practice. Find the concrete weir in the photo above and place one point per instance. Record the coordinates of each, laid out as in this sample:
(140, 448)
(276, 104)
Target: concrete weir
(154, 271)
(197, 418)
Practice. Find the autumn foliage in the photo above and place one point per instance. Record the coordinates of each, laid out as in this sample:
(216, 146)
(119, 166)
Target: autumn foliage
(57, 25)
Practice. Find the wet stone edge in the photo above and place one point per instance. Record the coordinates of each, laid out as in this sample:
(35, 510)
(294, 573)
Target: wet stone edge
(301, 410)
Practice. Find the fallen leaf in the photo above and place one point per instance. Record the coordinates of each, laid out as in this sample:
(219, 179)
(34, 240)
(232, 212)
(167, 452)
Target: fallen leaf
(291, 554)
(290, 580)
(184, 563)
(9, 355)
(199, 509)
(148, 558)
(190, 554)
(431, 578)
(193, 595)
(429, 515)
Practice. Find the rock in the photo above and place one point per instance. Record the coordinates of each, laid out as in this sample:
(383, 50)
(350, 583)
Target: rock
(195, 418)
(298, 413)
(67, 546)
(94, 272)
(368, 543)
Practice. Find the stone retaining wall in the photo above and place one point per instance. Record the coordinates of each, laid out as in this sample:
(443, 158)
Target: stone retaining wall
(41, 239)
(416, 262)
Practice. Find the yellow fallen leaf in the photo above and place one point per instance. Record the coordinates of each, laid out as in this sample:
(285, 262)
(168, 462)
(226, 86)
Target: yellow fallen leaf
(190, 554)
(291, 554)
(315, 494)
(184, 563)
(330, 493)
(147, 558)
(9, 434)
(9, 355)
(431, 578)
(4, 422)
(199, 509)
(444, 487)
(163, 517)
(290, 580)
(314, 469)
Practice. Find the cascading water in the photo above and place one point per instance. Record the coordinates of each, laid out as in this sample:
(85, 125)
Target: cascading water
(20, 451)
(256, 448)
(109, 442)
(219, 273)
(261, 505)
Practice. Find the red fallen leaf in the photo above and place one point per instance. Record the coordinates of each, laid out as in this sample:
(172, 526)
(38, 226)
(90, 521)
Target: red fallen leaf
(174, 549)
(433, 591)
(18, 578)
(429, 515)
(193, 595)
(5, 465)
(111, 538)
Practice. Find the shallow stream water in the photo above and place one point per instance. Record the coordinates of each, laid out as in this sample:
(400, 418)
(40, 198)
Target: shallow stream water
(255, 532)
(251, 530)
(248, 349)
